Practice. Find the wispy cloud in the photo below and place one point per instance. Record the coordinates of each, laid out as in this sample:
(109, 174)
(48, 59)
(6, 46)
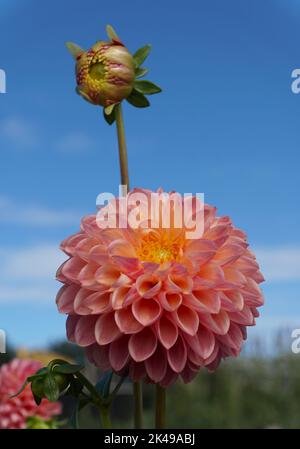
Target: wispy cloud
(19, 132)
(280, 263)
(34, 215)
(28, 274)
(75, 142)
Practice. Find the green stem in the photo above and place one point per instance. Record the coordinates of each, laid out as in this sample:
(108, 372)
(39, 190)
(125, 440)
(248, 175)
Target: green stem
(138, 405)
(160, 407)
(137, 386)
(105, 417)
(122, 146)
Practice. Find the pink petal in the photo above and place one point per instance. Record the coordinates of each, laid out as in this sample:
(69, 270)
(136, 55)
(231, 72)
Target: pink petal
(169, 379)
(170, 301)
(179, 284)
(127, 264)
(72, 268)
(69, 244)
(65, 298)
(98, 254)
(146, 311)
(188, 374)
(126, 321)
(177, 355)
(228, 253)
(99, 356)
(234, 277)
(87, 275)
(187, 319)
(85, 331)
(71, 326)
(218, 322)
(106, 329)
(204, 301)
(232, 300)
(200, 251)
(121, 247)
(148, 286)
(118, 353)
(244, 317)
(142, 345)
(206, 342)
(83, 248)
(156, 365)
(87, 302)
(118, 297)
(167, 332)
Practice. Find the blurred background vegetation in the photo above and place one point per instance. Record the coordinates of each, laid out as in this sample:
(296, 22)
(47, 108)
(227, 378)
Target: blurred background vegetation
(256, 390)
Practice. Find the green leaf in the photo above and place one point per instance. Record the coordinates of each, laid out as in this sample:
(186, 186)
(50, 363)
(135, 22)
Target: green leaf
(138, 100)
(67, 368)
(103, 386)
(36, 398)
(111, 117)
(146, 87)
(112, 34)
(74, 49)
(51, 388)
(140, 72)
(141, 54)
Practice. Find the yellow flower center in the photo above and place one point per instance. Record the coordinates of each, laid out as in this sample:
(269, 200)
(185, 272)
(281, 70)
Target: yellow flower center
(158, 249)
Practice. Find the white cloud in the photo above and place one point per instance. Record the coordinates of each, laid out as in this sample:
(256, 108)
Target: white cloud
(28, 274)
(34, 215)
(75, 142)
(279, 263)
(19, 132)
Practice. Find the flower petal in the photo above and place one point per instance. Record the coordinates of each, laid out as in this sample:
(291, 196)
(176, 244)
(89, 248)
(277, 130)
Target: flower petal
(156, 365)
(177, 355)
(187, 319)
(142, 345)
(106, 329)
(146, 311)
(118, 353)
(126, 321)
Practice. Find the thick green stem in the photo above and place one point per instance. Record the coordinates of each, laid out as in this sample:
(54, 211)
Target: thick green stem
(138, 405)
(105, 417)
(122, 146)
(160, 407)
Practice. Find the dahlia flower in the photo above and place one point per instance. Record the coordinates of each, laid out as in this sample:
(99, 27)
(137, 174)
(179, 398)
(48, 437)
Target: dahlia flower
(149, 302)
(14, 411)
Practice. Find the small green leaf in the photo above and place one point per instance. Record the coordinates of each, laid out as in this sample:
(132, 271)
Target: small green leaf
(111, 117)
(51, 388)
(112, 34)
(74, 49)
(141, 54)
(146, 87)
(67, 368)
(138, 100)
(36, 398)
(140, 72)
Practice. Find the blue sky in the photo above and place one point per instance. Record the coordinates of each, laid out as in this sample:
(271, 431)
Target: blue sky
(227, 124)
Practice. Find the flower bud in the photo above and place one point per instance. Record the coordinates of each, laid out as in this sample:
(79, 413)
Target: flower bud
(105, 74)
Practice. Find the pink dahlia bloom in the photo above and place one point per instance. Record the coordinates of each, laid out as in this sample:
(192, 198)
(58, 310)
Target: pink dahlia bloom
(152, 303)
(15, 411)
